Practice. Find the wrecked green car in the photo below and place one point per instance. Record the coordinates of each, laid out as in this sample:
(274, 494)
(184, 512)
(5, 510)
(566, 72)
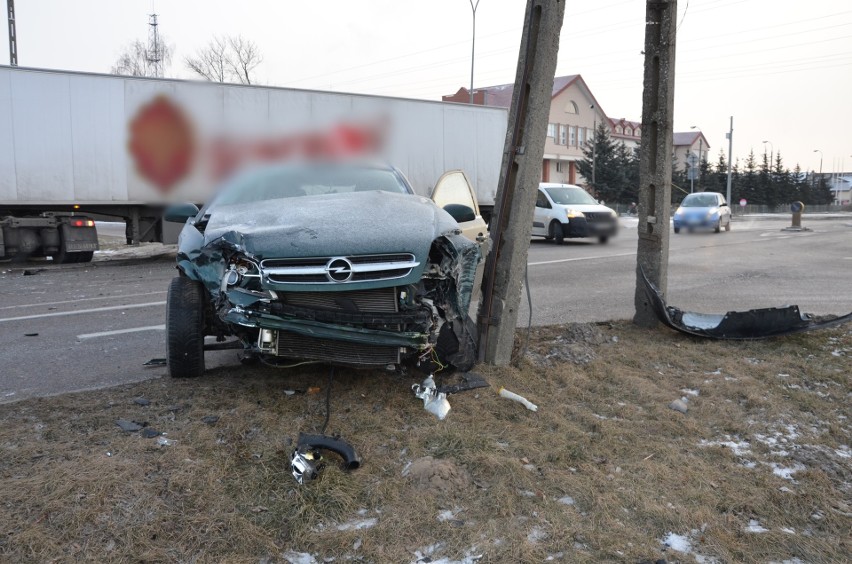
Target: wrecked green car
(332, 262)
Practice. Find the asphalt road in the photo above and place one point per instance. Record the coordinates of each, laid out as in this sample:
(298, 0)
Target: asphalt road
(69, 328)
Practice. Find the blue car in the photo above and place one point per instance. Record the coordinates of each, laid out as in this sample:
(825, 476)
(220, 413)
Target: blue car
(703, 210)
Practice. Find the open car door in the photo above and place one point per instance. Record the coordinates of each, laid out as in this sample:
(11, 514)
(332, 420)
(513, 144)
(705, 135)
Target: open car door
(453, 189)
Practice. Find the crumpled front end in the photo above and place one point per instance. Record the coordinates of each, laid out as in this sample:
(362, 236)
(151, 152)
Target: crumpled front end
(359, 310)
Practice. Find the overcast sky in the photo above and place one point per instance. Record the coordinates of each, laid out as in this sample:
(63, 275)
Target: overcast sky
(782, 68)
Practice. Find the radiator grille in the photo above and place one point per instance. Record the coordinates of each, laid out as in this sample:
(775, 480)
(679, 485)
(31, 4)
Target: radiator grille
(292, 345)
(382, 300)
(338, 270)
(598, 216)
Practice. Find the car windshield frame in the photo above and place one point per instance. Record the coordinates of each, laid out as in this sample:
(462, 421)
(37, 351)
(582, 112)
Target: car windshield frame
(301, 180)
(702, 200)
(570, 196)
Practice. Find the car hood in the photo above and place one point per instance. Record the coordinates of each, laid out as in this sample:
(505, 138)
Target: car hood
(332, 225)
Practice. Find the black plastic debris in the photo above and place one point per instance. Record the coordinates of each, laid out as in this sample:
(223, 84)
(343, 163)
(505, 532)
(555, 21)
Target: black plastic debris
(738, 325)
(155, 362)
(30, 334)
(148, 433)
(142, 401)
(32, 272)
(128, 426)
(470, 381)
(210, 419)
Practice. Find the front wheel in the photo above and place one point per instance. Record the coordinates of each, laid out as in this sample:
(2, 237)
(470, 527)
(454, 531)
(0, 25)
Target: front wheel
(603, 239)
(677, 230)
(728, 225)
(185, 328)
(718, 227)
(556, 232)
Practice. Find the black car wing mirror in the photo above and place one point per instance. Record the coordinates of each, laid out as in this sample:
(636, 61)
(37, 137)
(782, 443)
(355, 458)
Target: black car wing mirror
(460, 212)
(179, 213)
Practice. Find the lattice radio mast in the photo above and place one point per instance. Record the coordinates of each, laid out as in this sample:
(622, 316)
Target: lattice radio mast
(154, 52)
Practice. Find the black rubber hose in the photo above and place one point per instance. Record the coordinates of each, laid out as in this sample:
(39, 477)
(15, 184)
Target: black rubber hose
(338, 446)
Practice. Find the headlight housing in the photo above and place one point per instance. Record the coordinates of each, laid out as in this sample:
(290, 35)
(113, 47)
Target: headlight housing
(572, 213)
(679, 212)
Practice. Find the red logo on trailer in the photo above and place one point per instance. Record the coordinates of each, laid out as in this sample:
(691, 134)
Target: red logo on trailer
(161, 143)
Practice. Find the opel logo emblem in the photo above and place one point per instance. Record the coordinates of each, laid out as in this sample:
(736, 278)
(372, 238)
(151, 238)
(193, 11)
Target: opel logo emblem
(339, 270)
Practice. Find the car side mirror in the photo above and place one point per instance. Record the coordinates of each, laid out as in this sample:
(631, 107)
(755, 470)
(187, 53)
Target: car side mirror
(460, 212)
(179, 213)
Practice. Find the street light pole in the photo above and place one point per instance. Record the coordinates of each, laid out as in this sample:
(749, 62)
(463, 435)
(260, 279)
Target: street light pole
(594, 141)
(820, 162)
(473, 8)
(700, 153)
(771, 155)
(730, 136)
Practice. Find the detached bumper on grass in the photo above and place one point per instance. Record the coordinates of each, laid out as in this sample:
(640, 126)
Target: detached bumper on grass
(738, 325)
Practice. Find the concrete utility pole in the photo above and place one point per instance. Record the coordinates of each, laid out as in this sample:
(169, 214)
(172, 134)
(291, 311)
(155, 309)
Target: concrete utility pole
(519, 178)
(655, 168)
(473, 8)
(13, 36)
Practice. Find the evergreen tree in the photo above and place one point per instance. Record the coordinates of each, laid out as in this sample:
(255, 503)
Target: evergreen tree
(609, 178)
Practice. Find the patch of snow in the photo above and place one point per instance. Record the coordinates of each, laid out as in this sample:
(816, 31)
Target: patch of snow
(754, 526)
(567, 500)
(690, 392)
(358, 524)
(788, 531)
(730, 379)
(449, 514)
(536, 534)
(679, 543)
(718, 372)
(790, 561)
(786, 473)
(782, 375)
(739, 448)
(554, 556)
(294, 557)
(843, 452)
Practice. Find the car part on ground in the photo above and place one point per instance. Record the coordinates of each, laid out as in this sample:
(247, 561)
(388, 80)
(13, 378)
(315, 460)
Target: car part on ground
(504, 393)
(738, 325)
(434, 402)
(307, 461)
(567, 211)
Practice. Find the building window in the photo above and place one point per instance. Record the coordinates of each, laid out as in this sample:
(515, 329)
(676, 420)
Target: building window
(563, 135)
(572, 136)
(581, 136)
(590, 134)
(637, 132)
(560, 167)
(571, 107)
(551, 131)
(628, 131)
(619, 130)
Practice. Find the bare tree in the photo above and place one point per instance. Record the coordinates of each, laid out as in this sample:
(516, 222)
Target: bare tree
(134, 60)
(245, 57)
(226, 59)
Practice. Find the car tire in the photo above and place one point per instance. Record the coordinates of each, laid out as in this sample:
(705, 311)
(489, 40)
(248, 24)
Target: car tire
(718, 227)
(603, 239)
(185, 328)
(556, 232)
(677, 230)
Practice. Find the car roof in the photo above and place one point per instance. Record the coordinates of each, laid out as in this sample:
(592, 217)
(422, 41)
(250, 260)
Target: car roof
(557, 185)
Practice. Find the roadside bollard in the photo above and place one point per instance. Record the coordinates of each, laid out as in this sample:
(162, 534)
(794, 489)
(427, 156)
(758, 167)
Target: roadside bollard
(797, 208)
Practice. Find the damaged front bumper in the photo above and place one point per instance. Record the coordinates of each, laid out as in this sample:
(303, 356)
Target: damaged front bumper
(355, 324)
(738, 325)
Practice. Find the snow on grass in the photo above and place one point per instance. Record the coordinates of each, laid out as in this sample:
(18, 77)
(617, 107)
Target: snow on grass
(754, 526)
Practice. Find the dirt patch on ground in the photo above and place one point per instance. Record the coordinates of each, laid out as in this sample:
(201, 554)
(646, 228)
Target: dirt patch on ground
(757, 470)
(440, 476)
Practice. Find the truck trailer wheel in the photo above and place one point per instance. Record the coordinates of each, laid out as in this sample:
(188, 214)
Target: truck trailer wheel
(185, 328)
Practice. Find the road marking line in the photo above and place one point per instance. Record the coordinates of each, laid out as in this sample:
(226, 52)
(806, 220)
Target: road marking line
(121, 332)
(580, 258)
(85, 300)
(81, 311)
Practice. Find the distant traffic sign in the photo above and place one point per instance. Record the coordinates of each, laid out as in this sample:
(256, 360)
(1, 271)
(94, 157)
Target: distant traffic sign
(743, 202)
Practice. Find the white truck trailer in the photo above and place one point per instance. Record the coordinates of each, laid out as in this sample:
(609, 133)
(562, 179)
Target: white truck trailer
(75, 147)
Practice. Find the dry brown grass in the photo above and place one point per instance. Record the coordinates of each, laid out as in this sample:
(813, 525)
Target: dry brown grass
(74, 487)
